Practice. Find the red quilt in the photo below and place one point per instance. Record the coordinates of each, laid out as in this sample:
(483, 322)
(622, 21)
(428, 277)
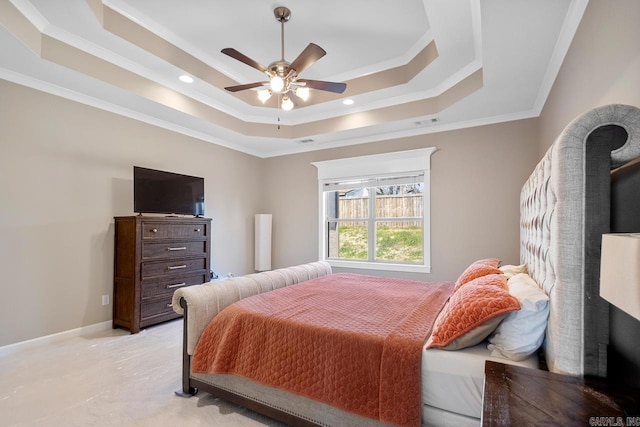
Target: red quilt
(349, 340)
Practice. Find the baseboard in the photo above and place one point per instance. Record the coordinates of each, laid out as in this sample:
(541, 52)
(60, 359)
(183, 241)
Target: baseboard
(53, 338)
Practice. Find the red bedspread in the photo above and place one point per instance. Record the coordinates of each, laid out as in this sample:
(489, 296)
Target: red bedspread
(349, 340)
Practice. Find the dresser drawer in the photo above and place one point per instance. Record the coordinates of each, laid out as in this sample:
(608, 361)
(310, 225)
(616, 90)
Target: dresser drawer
(162, 230)
(173, 250)
(156, 308)
(172, 267)
(155, 287)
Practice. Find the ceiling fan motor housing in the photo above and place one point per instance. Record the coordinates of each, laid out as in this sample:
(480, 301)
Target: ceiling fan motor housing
(279, 68)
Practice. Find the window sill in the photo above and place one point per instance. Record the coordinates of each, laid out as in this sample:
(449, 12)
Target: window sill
(411, 268)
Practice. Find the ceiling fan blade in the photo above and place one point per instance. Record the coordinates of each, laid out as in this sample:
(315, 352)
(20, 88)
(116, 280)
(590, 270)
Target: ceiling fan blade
(307, 57)
(238, 88)
(243, 58)
(320, 85)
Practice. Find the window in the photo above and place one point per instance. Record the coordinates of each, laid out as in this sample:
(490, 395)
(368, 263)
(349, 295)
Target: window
(374, 211)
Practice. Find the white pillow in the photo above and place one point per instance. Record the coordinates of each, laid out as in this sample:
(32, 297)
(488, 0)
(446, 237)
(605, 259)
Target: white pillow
(521, 333)
(512, 270)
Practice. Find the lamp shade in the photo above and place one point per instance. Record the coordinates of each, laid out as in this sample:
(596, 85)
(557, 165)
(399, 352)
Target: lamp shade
(262, 242)
(287, 104)
(620, 271)
(276, 84)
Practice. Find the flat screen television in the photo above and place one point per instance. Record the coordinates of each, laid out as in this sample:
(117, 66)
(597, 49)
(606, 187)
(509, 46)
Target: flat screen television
(156, 191)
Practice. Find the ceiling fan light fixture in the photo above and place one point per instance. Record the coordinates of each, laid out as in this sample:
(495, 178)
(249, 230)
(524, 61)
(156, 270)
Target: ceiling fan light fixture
(287, 104)
(302, 93)
(264, 95)
(283, 75)
(277, 84)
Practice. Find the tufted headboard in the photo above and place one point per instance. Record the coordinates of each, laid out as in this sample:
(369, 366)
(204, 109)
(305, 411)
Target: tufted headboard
(565, 209)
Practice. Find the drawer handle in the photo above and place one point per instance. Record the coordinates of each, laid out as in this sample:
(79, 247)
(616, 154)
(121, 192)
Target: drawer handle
(169, 305)
(182, 248)
(177, 285)
(154, 230)
(197, 230)
(176, 267)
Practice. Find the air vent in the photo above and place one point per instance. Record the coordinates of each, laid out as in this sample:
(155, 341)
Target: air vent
(427, 121)
(305, 141)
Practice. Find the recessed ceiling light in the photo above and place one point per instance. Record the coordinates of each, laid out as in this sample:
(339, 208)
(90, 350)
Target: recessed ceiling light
(186, 79)
(348, 101)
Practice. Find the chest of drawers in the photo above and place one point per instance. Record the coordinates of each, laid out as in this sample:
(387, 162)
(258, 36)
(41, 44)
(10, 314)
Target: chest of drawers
(153, 257)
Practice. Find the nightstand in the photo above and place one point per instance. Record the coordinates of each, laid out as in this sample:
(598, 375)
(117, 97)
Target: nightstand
(517, 396)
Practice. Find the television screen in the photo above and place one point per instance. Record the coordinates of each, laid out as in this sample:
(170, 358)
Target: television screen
(162, 192)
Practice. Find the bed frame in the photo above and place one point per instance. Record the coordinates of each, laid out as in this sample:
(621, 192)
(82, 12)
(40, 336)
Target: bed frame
(565, 208)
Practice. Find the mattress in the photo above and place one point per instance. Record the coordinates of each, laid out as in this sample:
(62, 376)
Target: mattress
(453, 380)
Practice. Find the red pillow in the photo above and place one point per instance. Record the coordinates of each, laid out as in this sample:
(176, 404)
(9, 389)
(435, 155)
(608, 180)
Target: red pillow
(495, 279)
(468, 309)
(494, 262)
(478, 269)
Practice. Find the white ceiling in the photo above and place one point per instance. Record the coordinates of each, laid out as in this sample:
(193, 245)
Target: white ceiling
(462, 62)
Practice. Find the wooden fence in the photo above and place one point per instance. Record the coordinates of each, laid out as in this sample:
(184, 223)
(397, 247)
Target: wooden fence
(408, 206)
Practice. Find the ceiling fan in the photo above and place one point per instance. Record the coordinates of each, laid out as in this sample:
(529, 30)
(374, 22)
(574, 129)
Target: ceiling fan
(284, 76)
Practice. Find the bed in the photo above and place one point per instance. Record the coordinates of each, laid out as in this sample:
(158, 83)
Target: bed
(565, 208)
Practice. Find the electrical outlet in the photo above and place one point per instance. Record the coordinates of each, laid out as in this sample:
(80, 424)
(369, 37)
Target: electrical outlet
(105, 299)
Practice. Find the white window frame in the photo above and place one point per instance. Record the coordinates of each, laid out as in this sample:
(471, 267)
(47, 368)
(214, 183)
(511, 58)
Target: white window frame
(377, 165)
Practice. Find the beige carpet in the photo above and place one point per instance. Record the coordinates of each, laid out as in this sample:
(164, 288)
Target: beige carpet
(111, 378)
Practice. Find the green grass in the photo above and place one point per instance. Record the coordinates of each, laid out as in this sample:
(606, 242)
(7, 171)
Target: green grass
(393, 244)
(353, 242)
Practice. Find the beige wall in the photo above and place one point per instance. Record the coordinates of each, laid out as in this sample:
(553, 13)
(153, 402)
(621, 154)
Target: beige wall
(476, 179)
(65, 171)
(602, 67)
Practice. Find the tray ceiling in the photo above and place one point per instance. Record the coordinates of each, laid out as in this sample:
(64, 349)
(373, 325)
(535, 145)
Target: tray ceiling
(411, 67)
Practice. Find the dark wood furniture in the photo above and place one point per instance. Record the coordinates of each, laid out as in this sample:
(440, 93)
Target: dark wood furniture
(517, 396)
(153, 257)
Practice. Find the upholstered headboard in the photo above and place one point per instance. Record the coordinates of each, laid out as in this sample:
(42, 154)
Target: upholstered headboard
(565, 209)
